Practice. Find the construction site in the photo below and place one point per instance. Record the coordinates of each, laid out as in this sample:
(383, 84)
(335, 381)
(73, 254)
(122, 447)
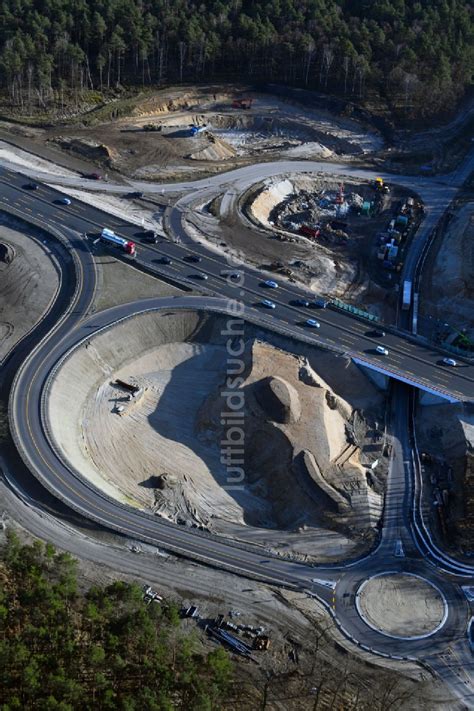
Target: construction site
(183, 132)
(346, 240)
(153, 434)
(340, 237)
(136, 408)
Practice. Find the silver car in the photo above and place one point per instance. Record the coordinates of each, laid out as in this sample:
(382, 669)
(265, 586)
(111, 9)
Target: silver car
(450, 361)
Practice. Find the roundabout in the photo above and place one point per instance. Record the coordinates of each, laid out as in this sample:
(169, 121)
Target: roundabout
(402, 605)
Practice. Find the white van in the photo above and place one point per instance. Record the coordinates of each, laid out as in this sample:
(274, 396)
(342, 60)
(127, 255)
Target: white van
(381, 350)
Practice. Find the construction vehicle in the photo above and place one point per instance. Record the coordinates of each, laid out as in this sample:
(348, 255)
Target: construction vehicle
(261, 643)
(194, 130)
(381, 186)
(242, 103)
(149, 595)
(340, 198)
(311, 232)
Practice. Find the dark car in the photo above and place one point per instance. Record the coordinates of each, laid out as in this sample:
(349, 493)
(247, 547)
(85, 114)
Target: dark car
(92, 176)
(300, 302)
(31, 186)
(192, 258)
(136, 194)
(319, 304)
(199, 275)
(164, 260)
(150, 236)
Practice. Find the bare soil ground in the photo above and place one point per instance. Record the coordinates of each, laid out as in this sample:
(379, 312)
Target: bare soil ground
(416, 607)
(446, 433)
(447, 285)
(119, 283)
(114, 136)
(28, 281)
(163, 451)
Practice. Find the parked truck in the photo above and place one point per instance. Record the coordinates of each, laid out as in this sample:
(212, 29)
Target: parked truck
(311, 232)
(406, 298)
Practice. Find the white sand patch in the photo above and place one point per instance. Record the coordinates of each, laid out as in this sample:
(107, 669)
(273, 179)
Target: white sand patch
(273, 193)
(311, 149)
(20, 158)
(122, 208)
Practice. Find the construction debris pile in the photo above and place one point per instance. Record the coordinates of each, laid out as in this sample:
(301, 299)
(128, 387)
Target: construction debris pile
(322, 215)
(228, 633)
(356, 220)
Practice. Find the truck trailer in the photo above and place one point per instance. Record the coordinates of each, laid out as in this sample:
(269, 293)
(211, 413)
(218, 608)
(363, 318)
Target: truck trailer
(406, 298)
(109, 237)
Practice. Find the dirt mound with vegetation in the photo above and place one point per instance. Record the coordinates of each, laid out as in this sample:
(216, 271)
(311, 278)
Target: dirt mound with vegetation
(87, 147)
(447, 284)
(446, 441)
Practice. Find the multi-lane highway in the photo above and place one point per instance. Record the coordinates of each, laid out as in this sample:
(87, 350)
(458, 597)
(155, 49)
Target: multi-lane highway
(407, 359)
(402, 547)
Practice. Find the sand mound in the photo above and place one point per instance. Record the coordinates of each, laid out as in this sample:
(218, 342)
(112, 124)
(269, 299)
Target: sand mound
(266, 200)
(216, 149)
(282, 418)
(166, 448)
(279, 400)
